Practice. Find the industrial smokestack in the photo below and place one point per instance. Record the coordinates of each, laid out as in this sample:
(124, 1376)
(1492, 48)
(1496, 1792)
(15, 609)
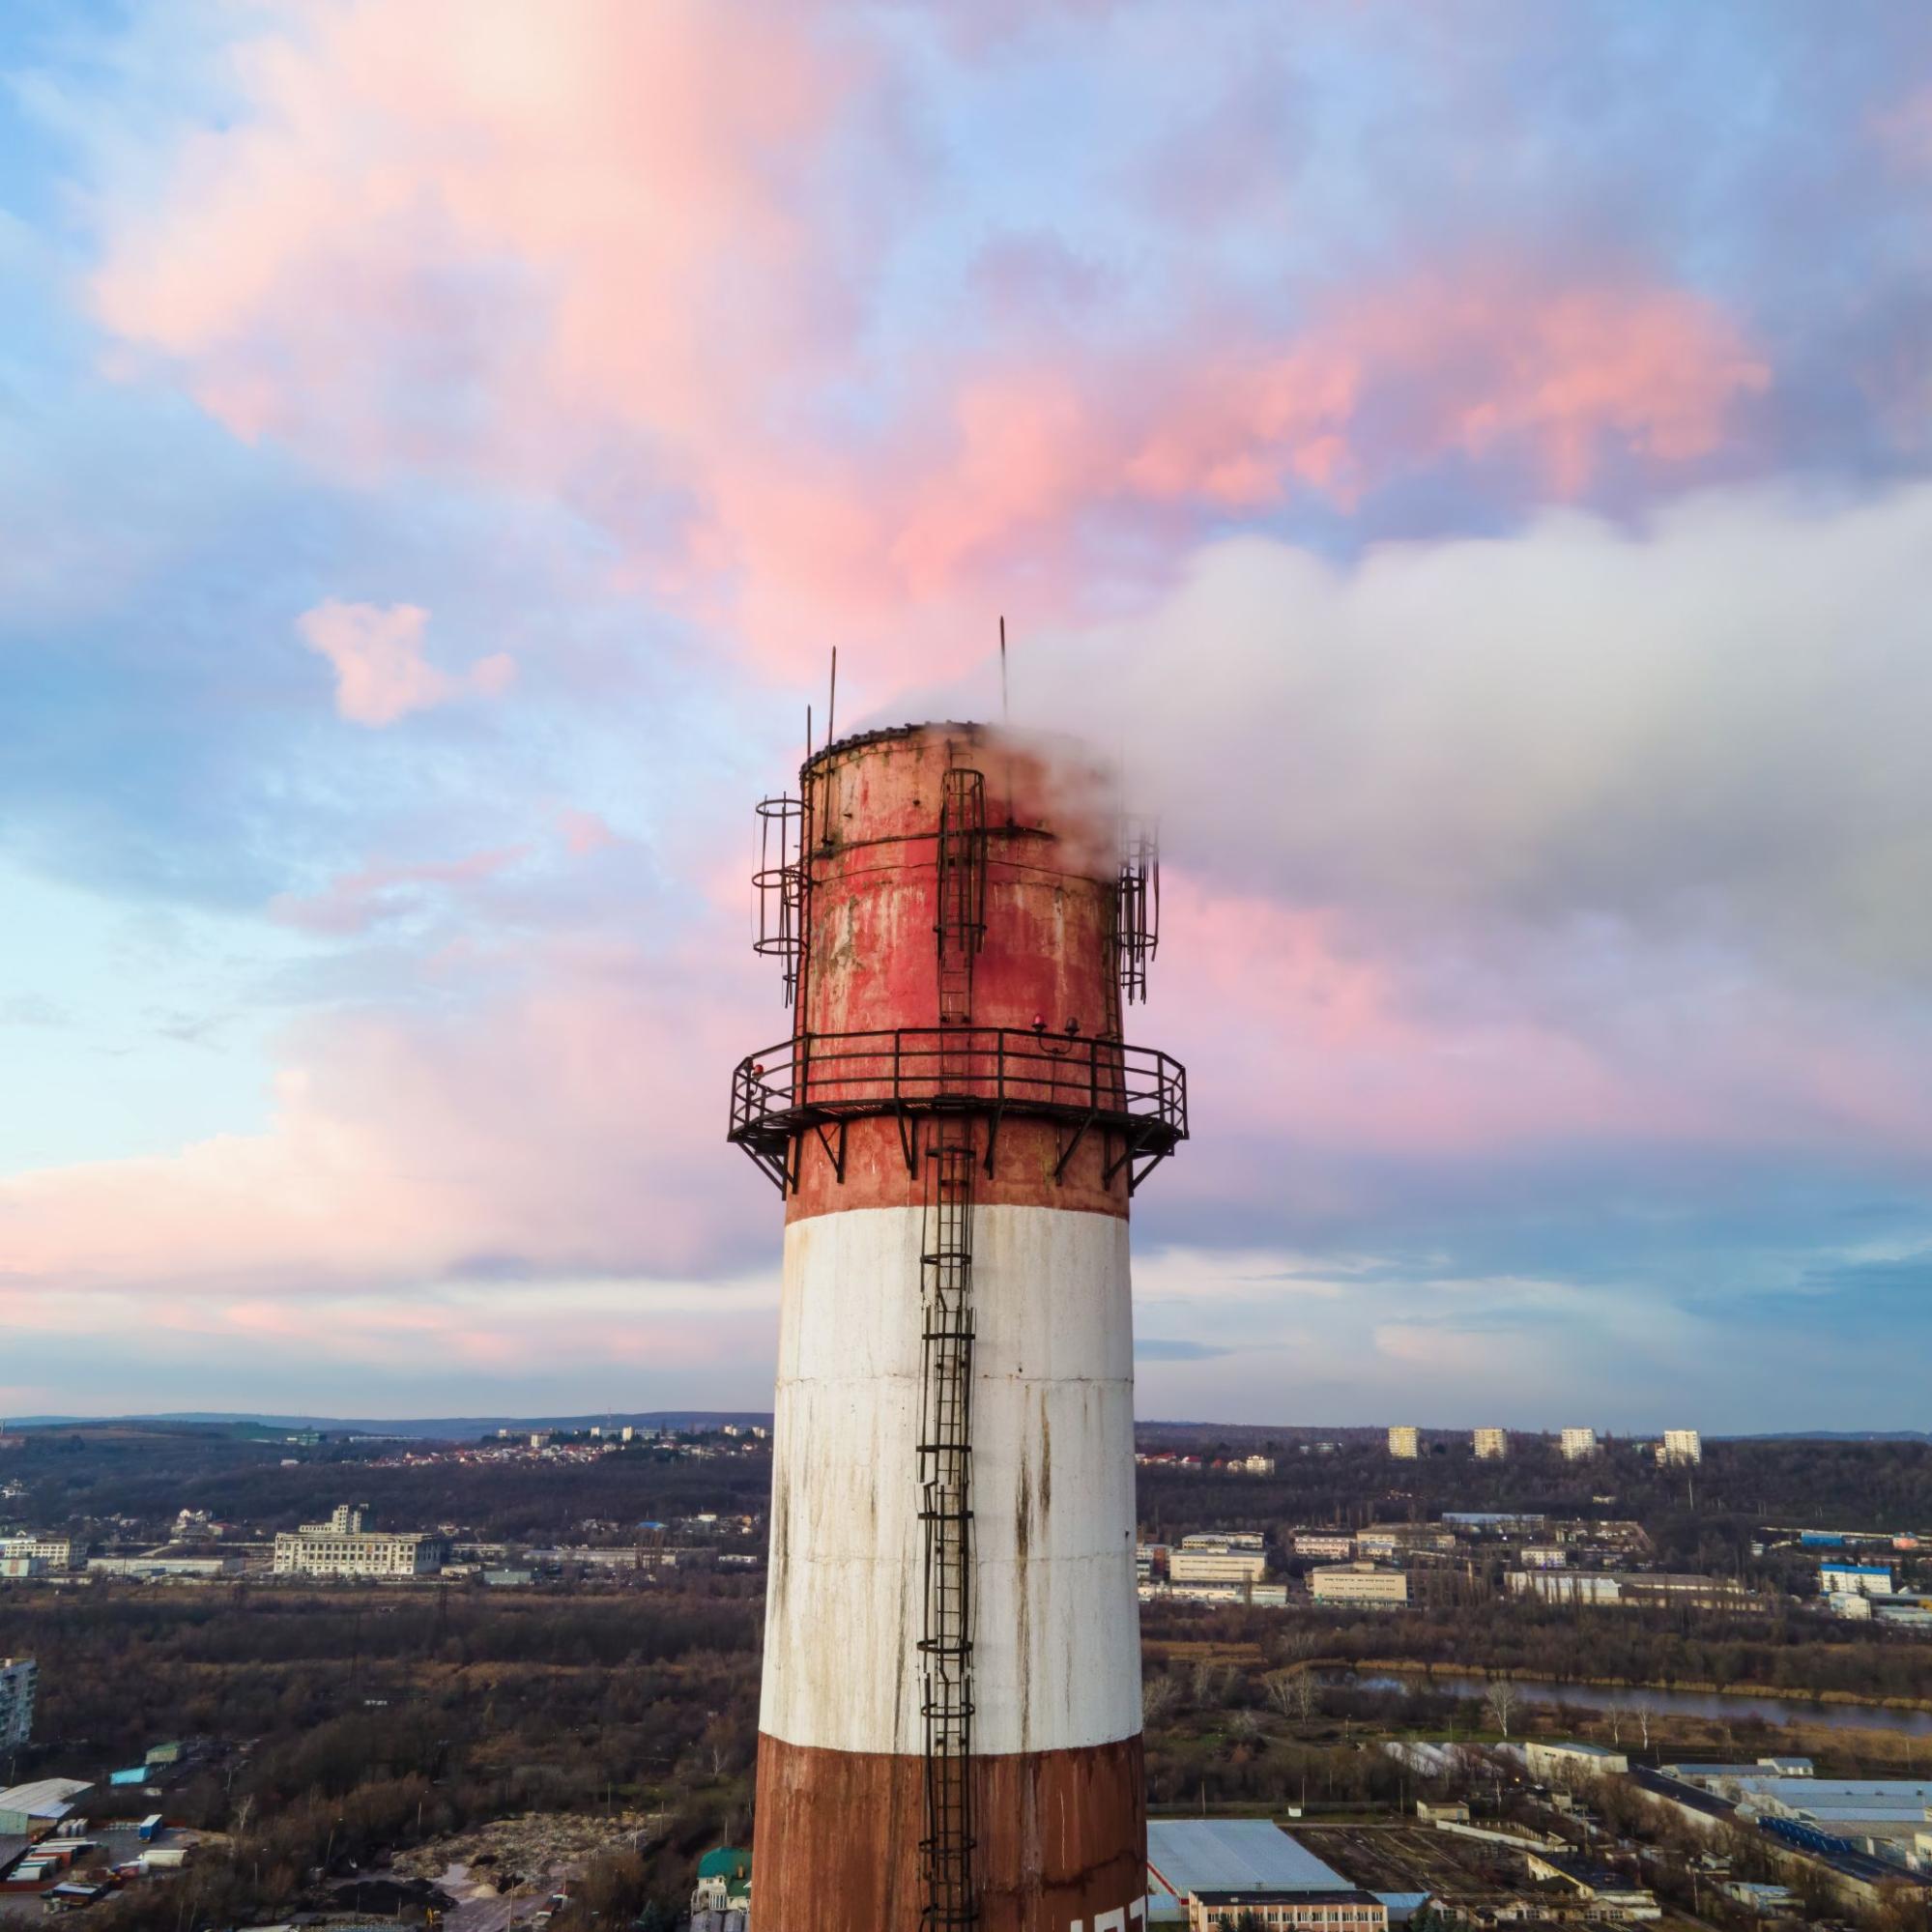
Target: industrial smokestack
(949, 1731)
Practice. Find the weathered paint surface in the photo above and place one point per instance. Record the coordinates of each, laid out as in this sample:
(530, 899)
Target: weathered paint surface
(871, 959)
(836, 1842)
(1056, 1627)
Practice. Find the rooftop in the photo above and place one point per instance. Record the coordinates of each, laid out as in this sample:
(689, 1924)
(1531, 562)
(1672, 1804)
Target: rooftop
(1197, 1854)
(46, 1798)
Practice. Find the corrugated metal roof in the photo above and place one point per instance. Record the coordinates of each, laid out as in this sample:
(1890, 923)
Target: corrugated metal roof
(46, 1798)
(1187, 1855)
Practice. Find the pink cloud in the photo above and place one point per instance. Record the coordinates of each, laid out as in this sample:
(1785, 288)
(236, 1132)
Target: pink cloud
(380, 672)
(597, 252)
(1363, 1054)
(585, 832)
(571, 1127)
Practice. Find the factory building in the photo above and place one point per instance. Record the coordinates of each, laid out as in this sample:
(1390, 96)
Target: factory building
(346, 1546)
(1229, 1872)
(949, 1721)
(1491, 1445)
(20, 1677)
(30, 1810)
(1633, 1590)
(1405, 1443)
(1680, 1449)
(1578, 1445)
(1358, 1583)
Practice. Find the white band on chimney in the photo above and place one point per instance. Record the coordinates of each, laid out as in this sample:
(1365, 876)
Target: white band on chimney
(1056, 1658)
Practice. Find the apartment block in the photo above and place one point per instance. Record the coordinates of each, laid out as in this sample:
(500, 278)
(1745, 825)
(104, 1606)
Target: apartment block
(18, 1678)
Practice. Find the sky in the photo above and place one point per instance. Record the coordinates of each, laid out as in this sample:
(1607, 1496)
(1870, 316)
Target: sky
(1472, 465)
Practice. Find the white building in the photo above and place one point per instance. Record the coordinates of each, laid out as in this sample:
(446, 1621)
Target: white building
(55, 1552)
(1562, 1762)
(344, 1546)
(1405, 1443)
(1864, 1579)
(1491, 1444)
(1579, 1444)
(1336, 1545)
(1358, 1583)
(1237, 1558)
(1681, 1448)
(18, 1675)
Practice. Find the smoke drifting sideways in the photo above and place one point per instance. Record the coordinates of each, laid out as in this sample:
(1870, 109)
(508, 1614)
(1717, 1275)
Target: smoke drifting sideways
(1704, 732)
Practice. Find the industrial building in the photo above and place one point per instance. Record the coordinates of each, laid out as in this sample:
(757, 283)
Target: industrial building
(1880, 1818)
(1862, 1580)
(20, 1677)
(157, 1565)
(1405, 1443)
(1216, 1872)
(1578, 1445)
(1491, 1445)
(1358, 1583)
(346, 1546)
(1605, 1890)
(1681, 1448)
(1251, 1594)
(1633, 1590)
(949, 1721)
(1238, 1557)
(1561, 1761)
(27, 1810)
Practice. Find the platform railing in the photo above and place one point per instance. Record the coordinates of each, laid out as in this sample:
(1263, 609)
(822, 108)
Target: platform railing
(814, 1078)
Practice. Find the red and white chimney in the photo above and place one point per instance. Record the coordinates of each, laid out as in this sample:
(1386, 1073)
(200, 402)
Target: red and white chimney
(949, 1732)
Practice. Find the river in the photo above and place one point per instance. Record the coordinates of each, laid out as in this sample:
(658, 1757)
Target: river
(1682, 1702)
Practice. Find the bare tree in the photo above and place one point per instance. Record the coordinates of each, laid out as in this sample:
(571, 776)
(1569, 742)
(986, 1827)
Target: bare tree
(1500, 1702)
(1210, 1682)
(1158, 1697)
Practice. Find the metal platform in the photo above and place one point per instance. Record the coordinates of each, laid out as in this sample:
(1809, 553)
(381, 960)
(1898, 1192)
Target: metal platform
(1134, 1098)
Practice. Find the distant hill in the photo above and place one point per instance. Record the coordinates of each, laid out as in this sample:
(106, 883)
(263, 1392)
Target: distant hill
(436, 1427)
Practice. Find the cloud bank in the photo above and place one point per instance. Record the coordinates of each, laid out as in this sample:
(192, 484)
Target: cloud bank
(1471, 467)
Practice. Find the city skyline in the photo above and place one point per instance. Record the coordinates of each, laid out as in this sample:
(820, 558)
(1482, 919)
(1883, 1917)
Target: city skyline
(1474, 472)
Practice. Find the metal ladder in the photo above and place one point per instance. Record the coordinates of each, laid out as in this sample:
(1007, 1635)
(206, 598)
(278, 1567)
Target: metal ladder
(945, 1511)
(945, 1423)
(960, 923)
